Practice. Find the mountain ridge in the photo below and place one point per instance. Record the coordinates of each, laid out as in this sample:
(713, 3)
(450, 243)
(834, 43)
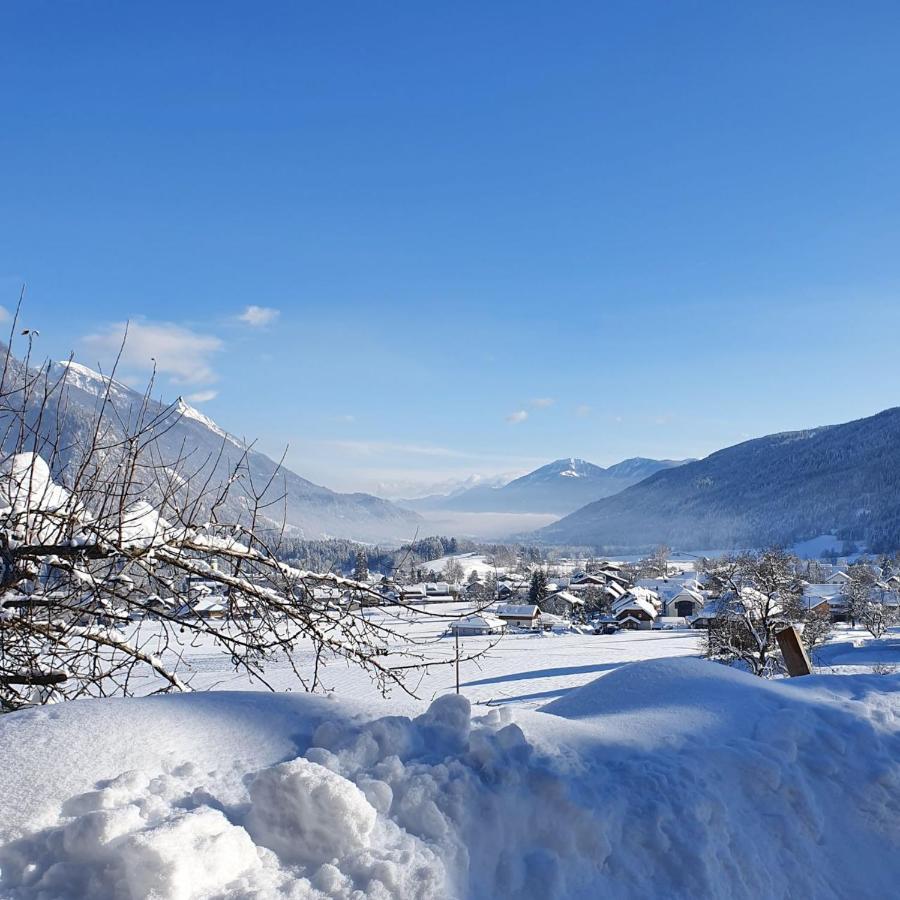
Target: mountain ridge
(781, 488)
(309, 510)
(559, 487)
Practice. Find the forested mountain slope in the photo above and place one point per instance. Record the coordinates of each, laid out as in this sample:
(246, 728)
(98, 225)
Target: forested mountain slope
(65, 418)
(838, 479)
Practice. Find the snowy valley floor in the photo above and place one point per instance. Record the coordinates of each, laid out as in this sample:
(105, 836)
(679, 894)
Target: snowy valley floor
(583, 777)
(526, 670)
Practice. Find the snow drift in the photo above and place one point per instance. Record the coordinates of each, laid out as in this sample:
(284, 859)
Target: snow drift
(673, 778)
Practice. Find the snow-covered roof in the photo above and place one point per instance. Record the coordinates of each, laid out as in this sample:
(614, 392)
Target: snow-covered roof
(710, 611)
(208, 604)
(644, 594)
(584, 578)
(569, 598)
(826, 591)
(437, 587)
(481, 620)
(662, 586)
(752, 603)
(518, 610)
(811, 601)
(839, 578)
(633, 601)
(694, 595)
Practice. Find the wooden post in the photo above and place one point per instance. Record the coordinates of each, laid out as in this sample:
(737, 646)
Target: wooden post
(794, 653)
(456, 632)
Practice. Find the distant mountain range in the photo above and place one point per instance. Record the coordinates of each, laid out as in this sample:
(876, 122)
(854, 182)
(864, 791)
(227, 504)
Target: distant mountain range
(557, 488)
(310, 511)
(776, 490)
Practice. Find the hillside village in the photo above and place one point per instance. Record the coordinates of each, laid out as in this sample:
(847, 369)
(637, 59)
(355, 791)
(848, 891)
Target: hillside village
(594, 596)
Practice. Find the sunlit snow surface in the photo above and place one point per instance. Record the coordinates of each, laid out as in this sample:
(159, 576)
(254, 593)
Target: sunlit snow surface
(670, 778)
(520, 669)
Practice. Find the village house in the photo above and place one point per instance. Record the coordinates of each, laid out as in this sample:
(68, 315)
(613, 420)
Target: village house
(209, 607)
(638, 609)
(474, 588)
(509, 591)
(751, 606)
(155, 605)
(685, 604)
(439, 591)
(818, 606)
(600, 578)
(567, 602)
(583, 580)
(839, 577)
(832, 594)
(520, 615)
(480, 623)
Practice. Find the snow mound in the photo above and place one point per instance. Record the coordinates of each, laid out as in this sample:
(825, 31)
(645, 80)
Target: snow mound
(675, 778)
(305, 812)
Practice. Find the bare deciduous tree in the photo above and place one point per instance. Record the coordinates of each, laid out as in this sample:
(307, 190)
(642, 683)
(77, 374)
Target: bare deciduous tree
(453, 571)
(869, 602)
(756, 593)
(116, 557)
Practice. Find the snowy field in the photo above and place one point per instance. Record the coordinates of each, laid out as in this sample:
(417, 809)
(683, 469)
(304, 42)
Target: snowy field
(522, 669)
(572, 766)
(678, 563)
(668, 778)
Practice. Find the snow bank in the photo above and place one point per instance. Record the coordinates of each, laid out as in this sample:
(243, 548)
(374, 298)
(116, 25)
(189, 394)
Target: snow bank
(673, 778)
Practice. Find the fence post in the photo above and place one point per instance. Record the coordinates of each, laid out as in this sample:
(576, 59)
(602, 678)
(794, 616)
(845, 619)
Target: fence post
(796, 660)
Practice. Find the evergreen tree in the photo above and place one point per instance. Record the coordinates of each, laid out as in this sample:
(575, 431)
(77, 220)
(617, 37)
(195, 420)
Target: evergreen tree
(361, 567)
(538, 589)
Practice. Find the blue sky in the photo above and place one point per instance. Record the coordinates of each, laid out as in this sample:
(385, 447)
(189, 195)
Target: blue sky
(475, 237)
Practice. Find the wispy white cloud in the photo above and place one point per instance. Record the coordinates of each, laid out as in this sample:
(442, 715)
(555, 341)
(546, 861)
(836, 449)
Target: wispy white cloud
(4, 314)
(514, 418)
(201, 396)
(542, 402)
(184, 355)
(378, 448)
(394, 488)
(259, 316)
(582, 411)
(398, 468)
(347, 419)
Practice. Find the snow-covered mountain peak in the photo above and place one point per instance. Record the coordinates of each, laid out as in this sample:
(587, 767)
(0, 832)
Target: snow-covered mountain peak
(570, 468)
(186, 411)
(87, 379)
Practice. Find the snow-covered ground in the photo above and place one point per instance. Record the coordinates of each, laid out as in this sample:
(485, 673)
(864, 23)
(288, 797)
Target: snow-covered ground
(572, 765)
(522, 669)
(668, 778)
(470, 562)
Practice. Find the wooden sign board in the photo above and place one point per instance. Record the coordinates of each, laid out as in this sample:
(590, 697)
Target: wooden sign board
(796, 659)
